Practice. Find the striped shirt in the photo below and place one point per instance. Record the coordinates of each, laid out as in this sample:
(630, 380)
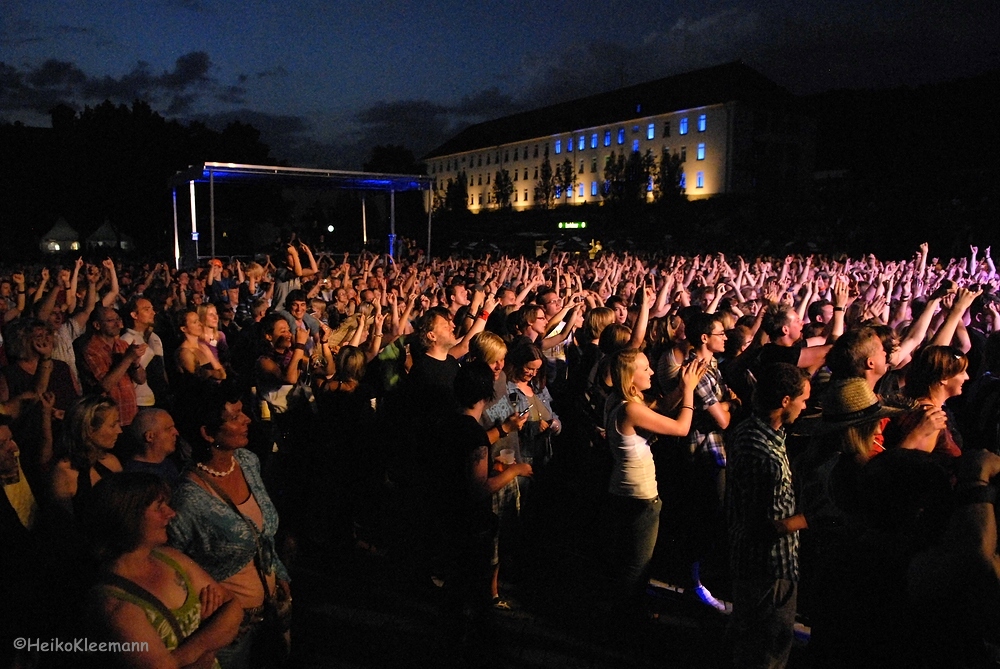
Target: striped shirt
(759, 491)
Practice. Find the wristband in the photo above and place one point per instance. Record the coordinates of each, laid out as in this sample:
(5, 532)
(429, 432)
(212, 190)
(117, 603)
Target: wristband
(687, 406)
(977, 494)
(838, 308)
(485, 315)
(298, 347)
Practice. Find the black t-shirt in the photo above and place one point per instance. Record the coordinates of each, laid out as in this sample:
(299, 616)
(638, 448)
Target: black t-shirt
(431, 386)
(463, 509)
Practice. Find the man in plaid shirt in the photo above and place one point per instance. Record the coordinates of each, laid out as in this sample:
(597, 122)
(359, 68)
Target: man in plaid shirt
(763, 524)
(707, 480)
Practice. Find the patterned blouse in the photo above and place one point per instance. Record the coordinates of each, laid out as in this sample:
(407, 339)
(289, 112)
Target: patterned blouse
(214, 536)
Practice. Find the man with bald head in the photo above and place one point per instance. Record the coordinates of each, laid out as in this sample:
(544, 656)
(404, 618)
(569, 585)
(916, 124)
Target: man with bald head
(155, 437)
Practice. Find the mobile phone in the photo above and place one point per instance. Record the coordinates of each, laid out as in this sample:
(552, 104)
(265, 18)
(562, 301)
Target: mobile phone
(525, 412)
(513, 398)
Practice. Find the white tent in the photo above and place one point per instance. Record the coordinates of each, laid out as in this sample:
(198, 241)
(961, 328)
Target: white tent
(61, 238)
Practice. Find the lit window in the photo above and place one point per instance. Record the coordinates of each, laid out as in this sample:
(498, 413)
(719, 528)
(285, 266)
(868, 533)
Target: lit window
(683, 126)
(593, 141)
(581, 143)
(558, 192)
(635, 130)
(607, 138)
(651, 131)
(635, 146)
(558, 146)
(701, 151)
(593, 188)
(569, 144)
(702, 122)
(649, 185)
(684, 179)
(580, 193)
(621, 135)
(700, 180)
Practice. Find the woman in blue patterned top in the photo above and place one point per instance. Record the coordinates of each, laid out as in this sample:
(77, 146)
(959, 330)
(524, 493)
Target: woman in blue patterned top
(207, 527)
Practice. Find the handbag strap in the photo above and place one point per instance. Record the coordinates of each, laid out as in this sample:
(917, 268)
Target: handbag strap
(258, 559)
(136, 590)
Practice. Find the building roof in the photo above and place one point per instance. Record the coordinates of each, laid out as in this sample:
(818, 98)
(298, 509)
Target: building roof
(713, 85)
(61, 232)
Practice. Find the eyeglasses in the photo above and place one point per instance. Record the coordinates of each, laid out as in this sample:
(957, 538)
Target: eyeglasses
(716, 334)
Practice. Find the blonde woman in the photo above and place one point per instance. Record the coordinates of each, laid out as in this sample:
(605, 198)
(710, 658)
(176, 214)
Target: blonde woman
(89, 435)
(634, 503)
(211, 335)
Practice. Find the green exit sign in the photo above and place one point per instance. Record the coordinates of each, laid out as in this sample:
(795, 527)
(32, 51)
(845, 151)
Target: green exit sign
(572, 225)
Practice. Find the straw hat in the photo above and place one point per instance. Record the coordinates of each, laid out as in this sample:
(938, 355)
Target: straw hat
(847, 402)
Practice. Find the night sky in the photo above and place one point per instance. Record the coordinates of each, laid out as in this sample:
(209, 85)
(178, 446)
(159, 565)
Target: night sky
(325, 81)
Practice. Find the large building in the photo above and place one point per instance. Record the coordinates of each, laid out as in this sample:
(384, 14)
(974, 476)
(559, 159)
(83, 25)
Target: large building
(734, 130)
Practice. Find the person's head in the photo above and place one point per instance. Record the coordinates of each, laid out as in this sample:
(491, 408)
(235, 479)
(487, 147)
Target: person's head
(781, 321)
(595, 320)
(737, 340)
(858, 353)
(613, 338)
(474, 384)
(457, 293)
(216, 422)
(618, 305)
(276, 332)
(550, 302)
(525, 364)
(127, 511)
(436, 329)
(852, 417)
(506, 297)
(297, 304)
(142, 313)
(254, 271)
(631, 374)
(937, 368)
(27, 338)
(706, 330)
(92, 426)
(154, 433)
(105, 321)
(781, 388)
(209, 316)
(189, 324)
(821, 311)
(351, 362)
(489, 348)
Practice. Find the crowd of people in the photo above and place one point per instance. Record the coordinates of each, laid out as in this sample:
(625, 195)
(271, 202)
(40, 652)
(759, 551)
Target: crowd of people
(827, 424)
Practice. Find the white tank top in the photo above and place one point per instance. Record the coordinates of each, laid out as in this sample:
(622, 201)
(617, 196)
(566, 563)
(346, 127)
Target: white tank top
(634, 474)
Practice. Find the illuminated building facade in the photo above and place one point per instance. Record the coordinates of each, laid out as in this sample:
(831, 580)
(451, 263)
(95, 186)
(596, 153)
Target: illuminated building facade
(734, 130)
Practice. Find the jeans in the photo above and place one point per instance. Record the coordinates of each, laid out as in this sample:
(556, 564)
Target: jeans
(632, 528)
(762, 622)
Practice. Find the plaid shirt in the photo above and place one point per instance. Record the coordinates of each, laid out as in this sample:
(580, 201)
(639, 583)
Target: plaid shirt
(759, 491)
(705, 438)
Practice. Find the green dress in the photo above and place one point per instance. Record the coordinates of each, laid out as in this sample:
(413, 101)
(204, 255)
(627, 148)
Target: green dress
(188, 614)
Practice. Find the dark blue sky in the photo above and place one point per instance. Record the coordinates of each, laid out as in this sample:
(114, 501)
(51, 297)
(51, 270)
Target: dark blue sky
(326, 80)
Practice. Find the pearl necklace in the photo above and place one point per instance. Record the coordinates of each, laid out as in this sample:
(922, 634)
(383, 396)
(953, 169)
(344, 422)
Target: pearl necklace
(232, 468)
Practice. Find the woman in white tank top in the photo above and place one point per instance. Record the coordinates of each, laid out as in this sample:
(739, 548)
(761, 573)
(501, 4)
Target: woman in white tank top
(634, 505)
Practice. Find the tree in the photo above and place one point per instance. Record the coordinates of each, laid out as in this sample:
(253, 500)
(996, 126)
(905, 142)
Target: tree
(503, 188)
(545, 188)
(626, 180)
(614, 178)
(669, 176)
(565, 177)
(456, 194)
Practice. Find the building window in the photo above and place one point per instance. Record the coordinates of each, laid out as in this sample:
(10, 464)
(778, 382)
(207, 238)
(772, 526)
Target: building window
(487, 178)
(684, 180)
(506, 156)
(593, 188)
(487, 159)
(649, 185)
(581, 143)
(480, 198)
(593, 164)
(536, 173)
(525, 173)
(593, 141)
(635, 146)
(515, 196)
(635, 130)
(582, 166)
(515, 175)
(683, 126)
(666, 128)
(536, 150)
(558, 146)
(480, 162)
(700, 180)
(607, 138)
(580, 193)
(569, 144)
(684, 154)
(449, 166)
(525, 194)
(480, 180)
(701, 151)
(651, 131)
(702, 122)
(558, 192)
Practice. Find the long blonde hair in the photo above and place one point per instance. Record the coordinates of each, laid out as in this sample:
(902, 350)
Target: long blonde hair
(623, 366)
